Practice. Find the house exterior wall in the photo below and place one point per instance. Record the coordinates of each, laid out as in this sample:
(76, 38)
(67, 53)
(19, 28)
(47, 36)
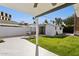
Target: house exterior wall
(52, 30)
(5, 16)
(60, 31)
(49, 29)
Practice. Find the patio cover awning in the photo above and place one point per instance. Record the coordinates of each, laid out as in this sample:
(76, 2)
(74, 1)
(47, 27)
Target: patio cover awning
(35, 9)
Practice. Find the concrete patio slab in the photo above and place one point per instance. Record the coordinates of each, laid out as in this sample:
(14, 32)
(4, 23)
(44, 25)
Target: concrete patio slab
(16, 46)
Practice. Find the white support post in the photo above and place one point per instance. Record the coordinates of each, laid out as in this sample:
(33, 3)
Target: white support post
(76, 19)
(37, 34)
(74, 23)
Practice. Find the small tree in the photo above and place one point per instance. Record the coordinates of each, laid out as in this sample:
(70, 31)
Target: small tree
(52, 21)
(58, 21)
(69, 21)
(69, 28)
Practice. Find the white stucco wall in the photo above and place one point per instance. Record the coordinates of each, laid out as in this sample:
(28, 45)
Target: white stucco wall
(13, 31)
(51, 31)
(58, 30)
(23, 30)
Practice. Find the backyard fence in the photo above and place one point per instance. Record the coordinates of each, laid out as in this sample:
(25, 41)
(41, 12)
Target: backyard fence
(6, 31)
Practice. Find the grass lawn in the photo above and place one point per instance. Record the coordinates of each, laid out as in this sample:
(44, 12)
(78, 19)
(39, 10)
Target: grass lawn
(62, 45)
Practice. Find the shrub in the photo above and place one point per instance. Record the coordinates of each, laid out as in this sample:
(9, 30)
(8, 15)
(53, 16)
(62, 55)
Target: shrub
(1, 41)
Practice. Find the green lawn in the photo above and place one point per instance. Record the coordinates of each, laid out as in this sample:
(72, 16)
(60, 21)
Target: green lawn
(64, 45)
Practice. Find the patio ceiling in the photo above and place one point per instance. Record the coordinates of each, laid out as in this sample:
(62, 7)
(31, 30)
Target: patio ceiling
(36, 9)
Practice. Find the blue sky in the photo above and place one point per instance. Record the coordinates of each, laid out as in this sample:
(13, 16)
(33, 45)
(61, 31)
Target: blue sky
(19, 16)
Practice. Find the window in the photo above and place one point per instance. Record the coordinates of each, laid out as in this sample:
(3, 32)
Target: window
(8, 19)
(2, 13)
(2, 18)
(5, 18)
(6, 14)
(10, 16)
(60, 28)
